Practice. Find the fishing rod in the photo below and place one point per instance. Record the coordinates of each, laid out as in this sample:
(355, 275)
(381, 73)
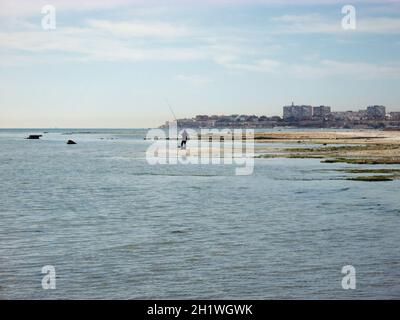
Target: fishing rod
(172, 111)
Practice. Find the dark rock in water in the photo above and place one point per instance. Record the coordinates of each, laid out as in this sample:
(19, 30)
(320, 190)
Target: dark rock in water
(71, 142)
(34, 136)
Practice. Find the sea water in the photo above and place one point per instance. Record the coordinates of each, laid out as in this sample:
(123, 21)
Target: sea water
(115, 227)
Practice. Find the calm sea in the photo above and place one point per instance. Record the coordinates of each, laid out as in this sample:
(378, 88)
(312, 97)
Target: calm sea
(115, 227)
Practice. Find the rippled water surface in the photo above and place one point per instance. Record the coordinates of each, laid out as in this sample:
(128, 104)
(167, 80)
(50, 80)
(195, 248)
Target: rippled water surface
(115, 227)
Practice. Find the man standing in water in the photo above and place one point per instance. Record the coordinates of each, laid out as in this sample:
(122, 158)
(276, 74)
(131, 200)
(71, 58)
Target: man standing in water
(184, 139)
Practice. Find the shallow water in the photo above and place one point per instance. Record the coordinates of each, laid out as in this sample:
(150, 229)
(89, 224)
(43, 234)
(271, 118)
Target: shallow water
(115, 227)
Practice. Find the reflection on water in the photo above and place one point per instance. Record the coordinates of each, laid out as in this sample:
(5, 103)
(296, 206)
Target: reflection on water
(115, 227)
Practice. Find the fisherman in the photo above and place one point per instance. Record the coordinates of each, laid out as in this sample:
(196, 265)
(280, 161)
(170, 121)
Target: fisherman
(184, 139)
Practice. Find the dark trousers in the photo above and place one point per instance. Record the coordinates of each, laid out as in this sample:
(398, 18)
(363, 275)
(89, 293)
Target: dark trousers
(183, 143)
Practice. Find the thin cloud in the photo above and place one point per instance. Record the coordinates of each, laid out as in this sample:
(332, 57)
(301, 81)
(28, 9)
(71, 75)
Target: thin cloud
(139, 29)
(24, 8)
(331, 68)
(237, 50)
(194, 79)
(319, 24)
(264, 65)
(101, 40)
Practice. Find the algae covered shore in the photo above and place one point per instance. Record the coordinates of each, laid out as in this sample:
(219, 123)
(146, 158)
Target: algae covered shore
(350, 147)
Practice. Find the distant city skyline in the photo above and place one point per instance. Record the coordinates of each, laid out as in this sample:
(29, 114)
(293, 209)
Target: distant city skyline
(372, 117)
(111, 64)
(324, 107)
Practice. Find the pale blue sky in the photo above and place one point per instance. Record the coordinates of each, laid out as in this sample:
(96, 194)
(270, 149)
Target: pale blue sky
(113, 63)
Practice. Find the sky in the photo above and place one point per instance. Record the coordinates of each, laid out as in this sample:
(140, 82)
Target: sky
(114, 64)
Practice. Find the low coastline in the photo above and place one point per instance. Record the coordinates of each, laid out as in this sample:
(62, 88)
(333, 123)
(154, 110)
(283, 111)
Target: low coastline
(381, 146)
(357, 148)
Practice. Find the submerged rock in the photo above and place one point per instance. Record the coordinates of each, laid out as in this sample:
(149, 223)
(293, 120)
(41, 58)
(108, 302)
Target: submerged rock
(71, 142)
(34, 136)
